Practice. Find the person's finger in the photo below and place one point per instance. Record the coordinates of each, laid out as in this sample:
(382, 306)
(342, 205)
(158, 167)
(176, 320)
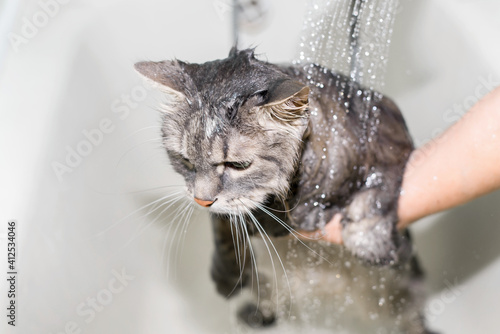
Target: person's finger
(332, 232)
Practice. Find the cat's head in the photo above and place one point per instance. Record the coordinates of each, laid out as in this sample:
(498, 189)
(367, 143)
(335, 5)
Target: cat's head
(232, 127)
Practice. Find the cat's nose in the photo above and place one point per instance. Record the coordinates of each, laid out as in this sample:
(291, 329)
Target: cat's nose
(201, 202)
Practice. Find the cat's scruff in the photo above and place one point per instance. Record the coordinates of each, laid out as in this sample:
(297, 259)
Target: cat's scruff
(283, 147)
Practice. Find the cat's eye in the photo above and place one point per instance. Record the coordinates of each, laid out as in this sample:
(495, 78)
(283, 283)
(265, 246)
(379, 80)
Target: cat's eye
(187, 163)
(261, 95)
(238, 165)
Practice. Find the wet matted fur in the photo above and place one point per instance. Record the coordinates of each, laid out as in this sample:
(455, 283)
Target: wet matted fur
(272, 149)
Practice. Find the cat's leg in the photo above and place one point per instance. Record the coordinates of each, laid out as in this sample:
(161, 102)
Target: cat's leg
(232, 265)
(415, 324)
(412, 320)
(260, 312)
(369, 228)
(231, 268)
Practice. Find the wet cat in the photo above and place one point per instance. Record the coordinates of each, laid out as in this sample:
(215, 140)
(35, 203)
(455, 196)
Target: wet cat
(272, 149)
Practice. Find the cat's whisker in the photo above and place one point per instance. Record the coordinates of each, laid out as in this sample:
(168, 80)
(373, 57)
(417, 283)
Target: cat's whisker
(137, 145)
(253, 261)
(184, 217)
(256, 224)
(293, 232)
(142, 129)
(235, 234)
(154, 188)
(113, 225)
(242, 222)
(170, 253)
(233, 227)
(234, 230)
(290, 229)
(280, 211)
(163, 252)
(168, 205)
(264, 235)
(139, 191)
(148, 159)
(179, 211)
(143, 228)
(285, 204)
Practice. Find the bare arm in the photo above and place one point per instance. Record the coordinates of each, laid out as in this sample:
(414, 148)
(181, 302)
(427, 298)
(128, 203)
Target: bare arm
(458, 166)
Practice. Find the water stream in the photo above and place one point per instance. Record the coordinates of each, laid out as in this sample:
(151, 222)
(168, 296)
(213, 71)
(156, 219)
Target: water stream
(350, 37)
(325, 289)
(342, 295)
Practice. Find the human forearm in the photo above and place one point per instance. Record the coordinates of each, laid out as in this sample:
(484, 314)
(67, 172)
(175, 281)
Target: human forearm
(461, 164)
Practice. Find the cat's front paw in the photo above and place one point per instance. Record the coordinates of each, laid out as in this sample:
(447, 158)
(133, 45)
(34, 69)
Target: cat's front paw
(257, 317)
(227, 281)
(227, 287)
(376, 241)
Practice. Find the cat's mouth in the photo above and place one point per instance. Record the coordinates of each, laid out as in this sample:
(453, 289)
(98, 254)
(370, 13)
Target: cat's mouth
(233, 206)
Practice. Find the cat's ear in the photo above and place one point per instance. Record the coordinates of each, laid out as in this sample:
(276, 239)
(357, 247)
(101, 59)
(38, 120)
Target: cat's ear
(287, 99)
(284, 108)
(248, 53)
(287, 89)
(233, 52)
(167, 75)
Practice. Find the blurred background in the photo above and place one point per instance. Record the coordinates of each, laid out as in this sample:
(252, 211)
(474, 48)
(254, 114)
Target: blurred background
(80, 158)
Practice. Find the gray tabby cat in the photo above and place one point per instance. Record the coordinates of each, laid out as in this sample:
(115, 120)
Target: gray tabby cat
(271, 149)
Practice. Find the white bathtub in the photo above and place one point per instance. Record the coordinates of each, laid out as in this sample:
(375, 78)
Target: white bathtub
(74, 75)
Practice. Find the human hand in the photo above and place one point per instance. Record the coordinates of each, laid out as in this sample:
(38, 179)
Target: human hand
(456, 167)
(332, 232)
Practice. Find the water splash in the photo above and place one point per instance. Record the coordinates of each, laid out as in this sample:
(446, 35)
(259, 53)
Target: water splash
(350, 37)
